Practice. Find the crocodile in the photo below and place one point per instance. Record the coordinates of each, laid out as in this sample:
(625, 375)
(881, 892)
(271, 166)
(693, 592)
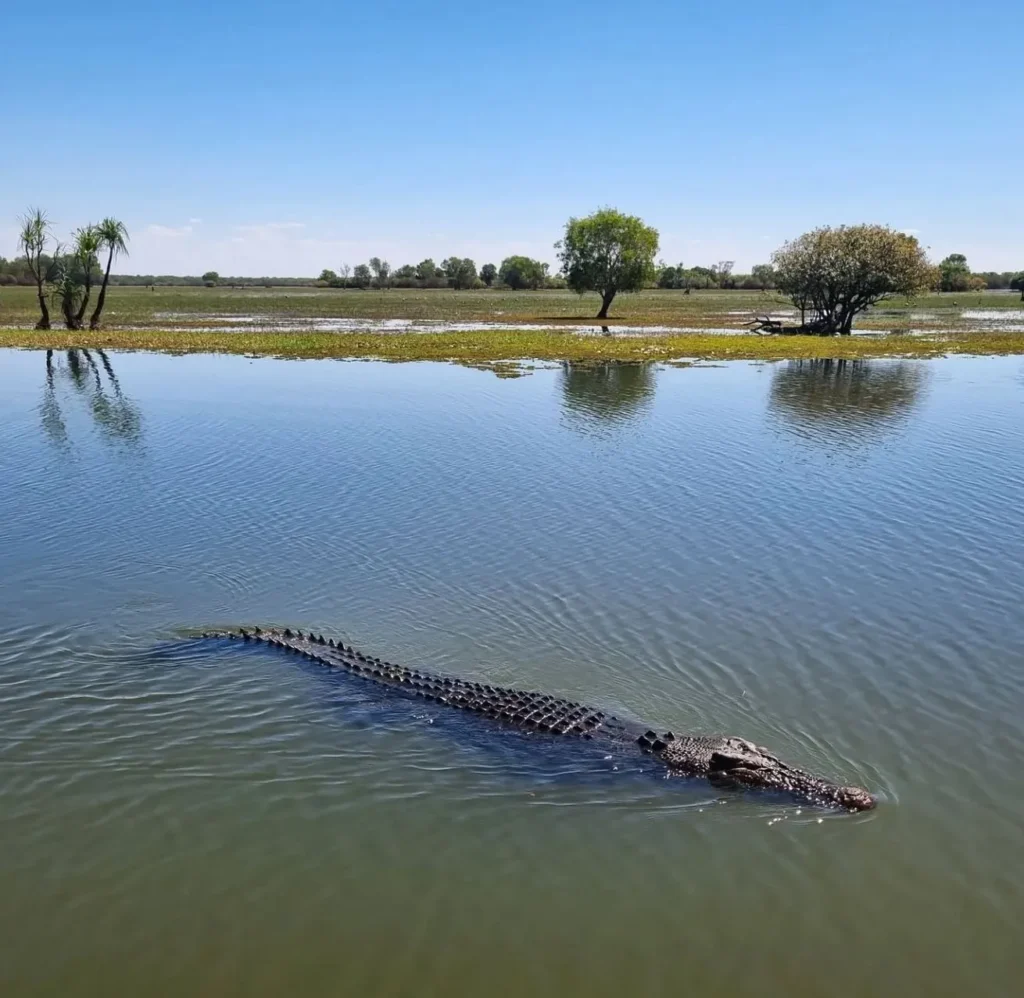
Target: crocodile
(724, 761)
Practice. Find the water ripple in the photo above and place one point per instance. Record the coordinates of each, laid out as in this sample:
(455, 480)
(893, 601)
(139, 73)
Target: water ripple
(824, 559)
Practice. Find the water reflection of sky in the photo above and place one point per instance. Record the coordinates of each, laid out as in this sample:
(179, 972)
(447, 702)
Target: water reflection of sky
(700, 548)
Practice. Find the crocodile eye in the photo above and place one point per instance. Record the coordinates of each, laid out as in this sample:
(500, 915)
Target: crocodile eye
(724, 761)
(742, 745)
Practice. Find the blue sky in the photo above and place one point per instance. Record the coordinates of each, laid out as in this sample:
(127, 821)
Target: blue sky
(283, 138)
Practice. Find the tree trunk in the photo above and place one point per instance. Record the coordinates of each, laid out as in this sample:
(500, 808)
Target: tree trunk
(67, 306)
(44, 321)
(95, 320)
(830, 324)
(80, 314)
(606, 302)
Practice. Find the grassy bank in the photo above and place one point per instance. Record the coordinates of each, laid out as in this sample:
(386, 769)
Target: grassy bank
(523, 344)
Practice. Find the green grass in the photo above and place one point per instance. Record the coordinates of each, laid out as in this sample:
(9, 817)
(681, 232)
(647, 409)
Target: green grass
(521, 344)
(193, 320)
(205, 307)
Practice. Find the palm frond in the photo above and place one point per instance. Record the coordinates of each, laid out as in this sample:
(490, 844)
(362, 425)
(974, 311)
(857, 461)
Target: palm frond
(87, 244)
(35, 228)
(114, 236)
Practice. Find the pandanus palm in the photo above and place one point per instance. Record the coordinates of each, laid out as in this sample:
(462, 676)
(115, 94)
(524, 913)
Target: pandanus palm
(87, 247)
(35, 231)
(66, 283)
(113, 236)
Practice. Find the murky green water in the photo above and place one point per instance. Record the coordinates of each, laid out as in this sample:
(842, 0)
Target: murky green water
(827, 559)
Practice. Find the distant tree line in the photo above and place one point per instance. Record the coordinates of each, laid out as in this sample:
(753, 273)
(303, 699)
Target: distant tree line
(189, 281)
(761, 278)
(458, 273)
(1008, 280)
(719, 275)
(521, 273)
(18, 271)
(953, 274)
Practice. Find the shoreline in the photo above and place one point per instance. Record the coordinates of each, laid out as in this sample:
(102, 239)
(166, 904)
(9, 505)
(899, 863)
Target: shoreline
(519, 345)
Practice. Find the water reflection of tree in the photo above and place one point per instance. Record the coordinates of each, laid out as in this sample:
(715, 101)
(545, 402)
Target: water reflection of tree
(842, 400)
(93, 380)
(599, 395)
(49, 410)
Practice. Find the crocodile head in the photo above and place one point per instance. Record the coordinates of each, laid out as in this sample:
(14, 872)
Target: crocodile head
(738, 763)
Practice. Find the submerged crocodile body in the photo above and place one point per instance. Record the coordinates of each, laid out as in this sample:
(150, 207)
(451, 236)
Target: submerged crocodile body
(724, 761)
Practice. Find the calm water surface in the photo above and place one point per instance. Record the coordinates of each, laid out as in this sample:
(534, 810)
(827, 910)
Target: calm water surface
(825, 558)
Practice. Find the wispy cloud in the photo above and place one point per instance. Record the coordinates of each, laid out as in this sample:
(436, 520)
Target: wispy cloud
(168, 231)
(267, 229)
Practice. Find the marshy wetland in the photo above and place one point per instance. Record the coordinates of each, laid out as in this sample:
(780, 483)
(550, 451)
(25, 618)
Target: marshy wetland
(403, 324)
(822, 554)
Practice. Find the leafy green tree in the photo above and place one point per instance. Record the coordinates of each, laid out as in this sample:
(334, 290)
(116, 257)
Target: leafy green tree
(954, 274)
(461, 273)
(700, 277)
(607, 252)
(488, 272)
(672, 277)
(361, 276)
(427, 270)
(1017, 284)
(763, 275)
(381, 272)
(212, 277)
(404, 277)
(838, 273)
(113, 237)
(995, 281)
(519, 272)
(35, 232)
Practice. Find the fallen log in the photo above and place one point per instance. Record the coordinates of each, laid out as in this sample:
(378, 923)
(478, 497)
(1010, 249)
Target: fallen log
(766, 326)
